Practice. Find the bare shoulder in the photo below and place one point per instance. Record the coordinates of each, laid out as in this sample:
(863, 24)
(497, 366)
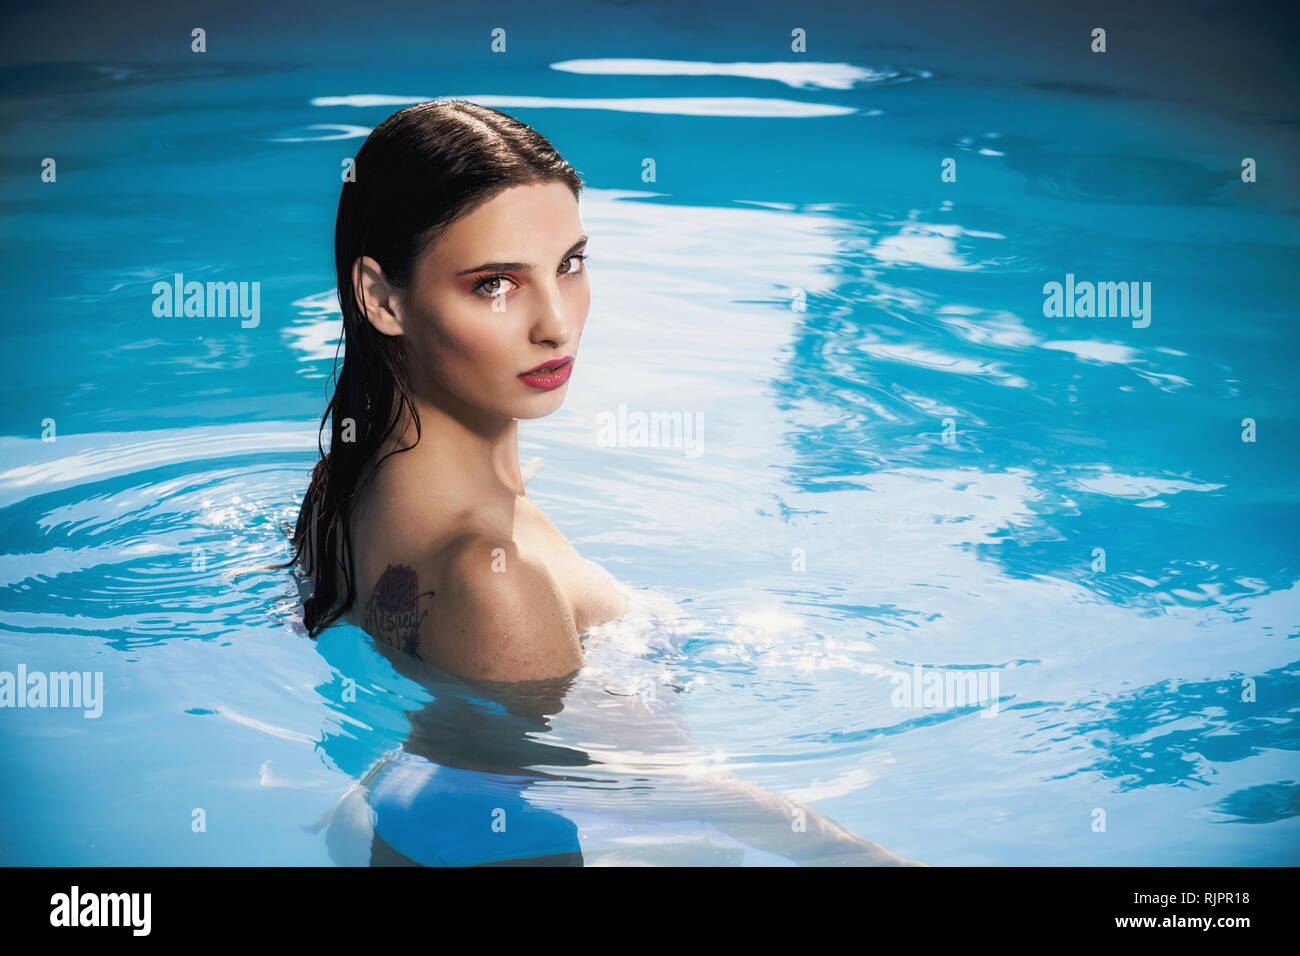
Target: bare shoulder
(496, 614)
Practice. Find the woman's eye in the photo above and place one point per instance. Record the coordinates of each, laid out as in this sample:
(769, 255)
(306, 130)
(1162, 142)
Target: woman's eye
(582, 265)
(491, 286)
(482, 287)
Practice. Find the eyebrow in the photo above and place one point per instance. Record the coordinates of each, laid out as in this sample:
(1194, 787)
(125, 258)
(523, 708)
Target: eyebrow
(518, 266)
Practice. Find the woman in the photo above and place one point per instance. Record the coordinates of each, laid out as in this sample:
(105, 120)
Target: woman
(417, 525)
(462, 279)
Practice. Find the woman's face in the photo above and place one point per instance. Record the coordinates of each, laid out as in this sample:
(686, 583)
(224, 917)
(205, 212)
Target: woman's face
(502, 291)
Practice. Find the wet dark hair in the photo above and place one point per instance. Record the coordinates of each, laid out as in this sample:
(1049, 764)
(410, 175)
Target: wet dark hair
(417, 172)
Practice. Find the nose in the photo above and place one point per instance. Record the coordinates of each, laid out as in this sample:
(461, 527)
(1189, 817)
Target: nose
(554, 321)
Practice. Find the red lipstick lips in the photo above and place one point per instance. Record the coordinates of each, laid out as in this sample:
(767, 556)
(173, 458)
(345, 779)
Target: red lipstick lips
(548, 375)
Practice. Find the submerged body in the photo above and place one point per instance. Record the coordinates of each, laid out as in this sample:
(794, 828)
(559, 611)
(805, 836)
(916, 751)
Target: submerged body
(593, 768)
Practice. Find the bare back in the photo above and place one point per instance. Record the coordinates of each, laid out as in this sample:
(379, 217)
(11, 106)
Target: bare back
(483, 585)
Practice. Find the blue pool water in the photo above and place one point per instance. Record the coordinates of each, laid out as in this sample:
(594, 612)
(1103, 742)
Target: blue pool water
(902, 461)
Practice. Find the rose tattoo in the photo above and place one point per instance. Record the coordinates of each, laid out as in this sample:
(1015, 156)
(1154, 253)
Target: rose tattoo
(392, 613)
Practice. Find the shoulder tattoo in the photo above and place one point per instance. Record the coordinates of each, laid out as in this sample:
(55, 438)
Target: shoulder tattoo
(393, 612)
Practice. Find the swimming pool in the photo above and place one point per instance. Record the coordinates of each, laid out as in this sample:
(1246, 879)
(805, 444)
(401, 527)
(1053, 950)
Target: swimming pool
(983, 584)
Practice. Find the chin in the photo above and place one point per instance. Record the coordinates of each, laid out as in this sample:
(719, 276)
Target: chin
(543, 404)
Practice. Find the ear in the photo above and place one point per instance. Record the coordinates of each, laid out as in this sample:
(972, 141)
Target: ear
(378, 301)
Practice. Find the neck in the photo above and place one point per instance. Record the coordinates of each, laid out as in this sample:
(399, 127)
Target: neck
(472, 448)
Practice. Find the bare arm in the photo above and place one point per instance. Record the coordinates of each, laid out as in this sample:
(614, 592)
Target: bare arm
(772, 822)
(655, 747)
(496, 615)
